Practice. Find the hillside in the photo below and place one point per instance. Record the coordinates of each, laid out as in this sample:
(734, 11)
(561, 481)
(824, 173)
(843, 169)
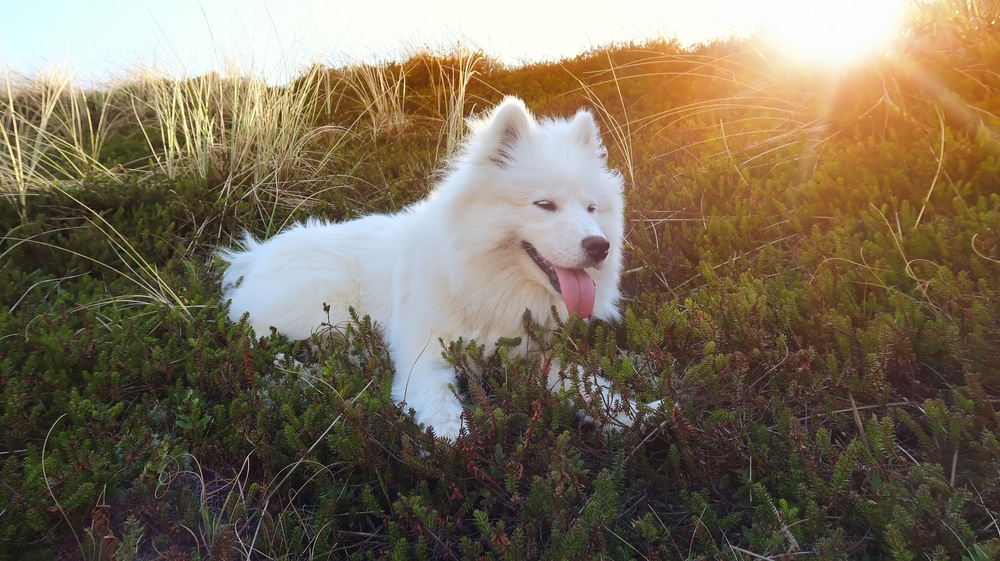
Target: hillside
(812, 278)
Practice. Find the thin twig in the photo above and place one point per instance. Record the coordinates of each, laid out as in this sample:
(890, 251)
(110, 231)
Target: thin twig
(936, 173)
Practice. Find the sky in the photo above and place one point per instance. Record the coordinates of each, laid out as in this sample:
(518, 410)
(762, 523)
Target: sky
(99, 39)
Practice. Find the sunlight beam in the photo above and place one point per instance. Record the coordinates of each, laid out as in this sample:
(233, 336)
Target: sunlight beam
(834, 31)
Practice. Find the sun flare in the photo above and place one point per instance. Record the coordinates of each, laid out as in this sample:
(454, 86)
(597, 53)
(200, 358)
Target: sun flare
(834, 31)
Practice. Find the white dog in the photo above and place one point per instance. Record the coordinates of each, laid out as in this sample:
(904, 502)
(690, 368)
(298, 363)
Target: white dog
(528, 216)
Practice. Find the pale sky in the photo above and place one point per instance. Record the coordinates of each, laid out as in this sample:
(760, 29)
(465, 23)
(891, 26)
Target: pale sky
(97, 39)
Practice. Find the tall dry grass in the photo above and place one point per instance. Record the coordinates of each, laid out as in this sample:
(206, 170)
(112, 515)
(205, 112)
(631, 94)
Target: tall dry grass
(381, 90)
(233, 129)
(455, 73)
(238, 130)
(252, 139)
(51, 129)
(761, 112)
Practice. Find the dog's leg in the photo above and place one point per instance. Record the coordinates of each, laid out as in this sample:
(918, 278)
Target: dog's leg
(619, 412)
(427, 385)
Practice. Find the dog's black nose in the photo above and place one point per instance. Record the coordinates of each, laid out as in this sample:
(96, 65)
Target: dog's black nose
(596, 247)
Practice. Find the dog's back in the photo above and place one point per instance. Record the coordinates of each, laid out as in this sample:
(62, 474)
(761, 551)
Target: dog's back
(285, 281)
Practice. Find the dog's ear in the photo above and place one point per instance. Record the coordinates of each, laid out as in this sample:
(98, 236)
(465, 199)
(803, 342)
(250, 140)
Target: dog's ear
(497, 135)
(586, 132)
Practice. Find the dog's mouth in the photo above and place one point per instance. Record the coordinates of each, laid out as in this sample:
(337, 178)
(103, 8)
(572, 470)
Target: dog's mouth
(574, 285)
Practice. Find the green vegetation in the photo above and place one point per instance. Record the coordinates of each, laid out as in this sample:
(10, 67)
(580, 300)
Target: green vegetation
(813, 279)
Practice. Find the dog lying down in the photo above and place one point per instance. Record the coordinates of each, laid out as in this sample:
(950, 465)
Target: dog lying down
(527, 216)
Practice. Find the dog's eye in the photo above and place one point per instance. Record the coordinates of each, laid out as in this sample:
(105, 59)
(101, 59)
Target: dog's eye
(592, 208)
(546, 204)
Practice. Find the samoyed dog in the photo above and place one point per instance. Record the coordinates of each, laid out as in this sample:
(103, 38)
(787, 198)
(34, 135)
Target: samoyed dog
(527, 216)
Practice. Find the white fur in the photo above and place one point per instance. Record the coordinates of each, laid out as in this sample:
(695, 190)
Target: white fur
(451, 266)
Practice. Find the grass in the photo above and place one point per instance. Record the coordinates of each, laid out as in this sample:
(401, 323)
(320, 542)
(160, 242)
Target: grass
(811, 280)
(239, 132)
(53, 130)
(456, 74)
(381, 91)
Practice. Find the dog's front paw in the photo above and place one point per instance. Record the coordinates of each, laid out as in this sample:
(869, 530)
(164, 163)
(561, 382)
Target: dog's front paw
(653, 415)
(444, 419)
(625, 414)
(447, 432)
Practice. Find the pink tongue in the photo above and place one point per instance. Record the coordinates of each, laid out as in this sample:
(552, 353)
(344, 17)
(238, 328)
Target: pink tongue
(577, 290)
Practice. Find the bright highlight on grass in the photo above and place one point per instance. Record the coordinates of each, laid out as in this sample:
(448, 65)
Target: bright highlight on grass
(834, 31)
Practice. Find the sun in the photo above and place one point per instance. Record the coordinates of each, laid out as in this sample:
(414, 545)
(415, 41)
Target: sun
(834, 31)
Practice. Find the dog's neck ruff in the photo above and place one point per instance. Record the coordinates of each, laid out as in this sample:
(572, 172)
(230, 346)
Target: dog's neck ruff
(574, 285)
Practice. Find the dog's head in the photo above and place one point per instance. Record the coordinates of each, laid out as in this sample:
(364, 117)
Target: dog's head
(551, 195)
